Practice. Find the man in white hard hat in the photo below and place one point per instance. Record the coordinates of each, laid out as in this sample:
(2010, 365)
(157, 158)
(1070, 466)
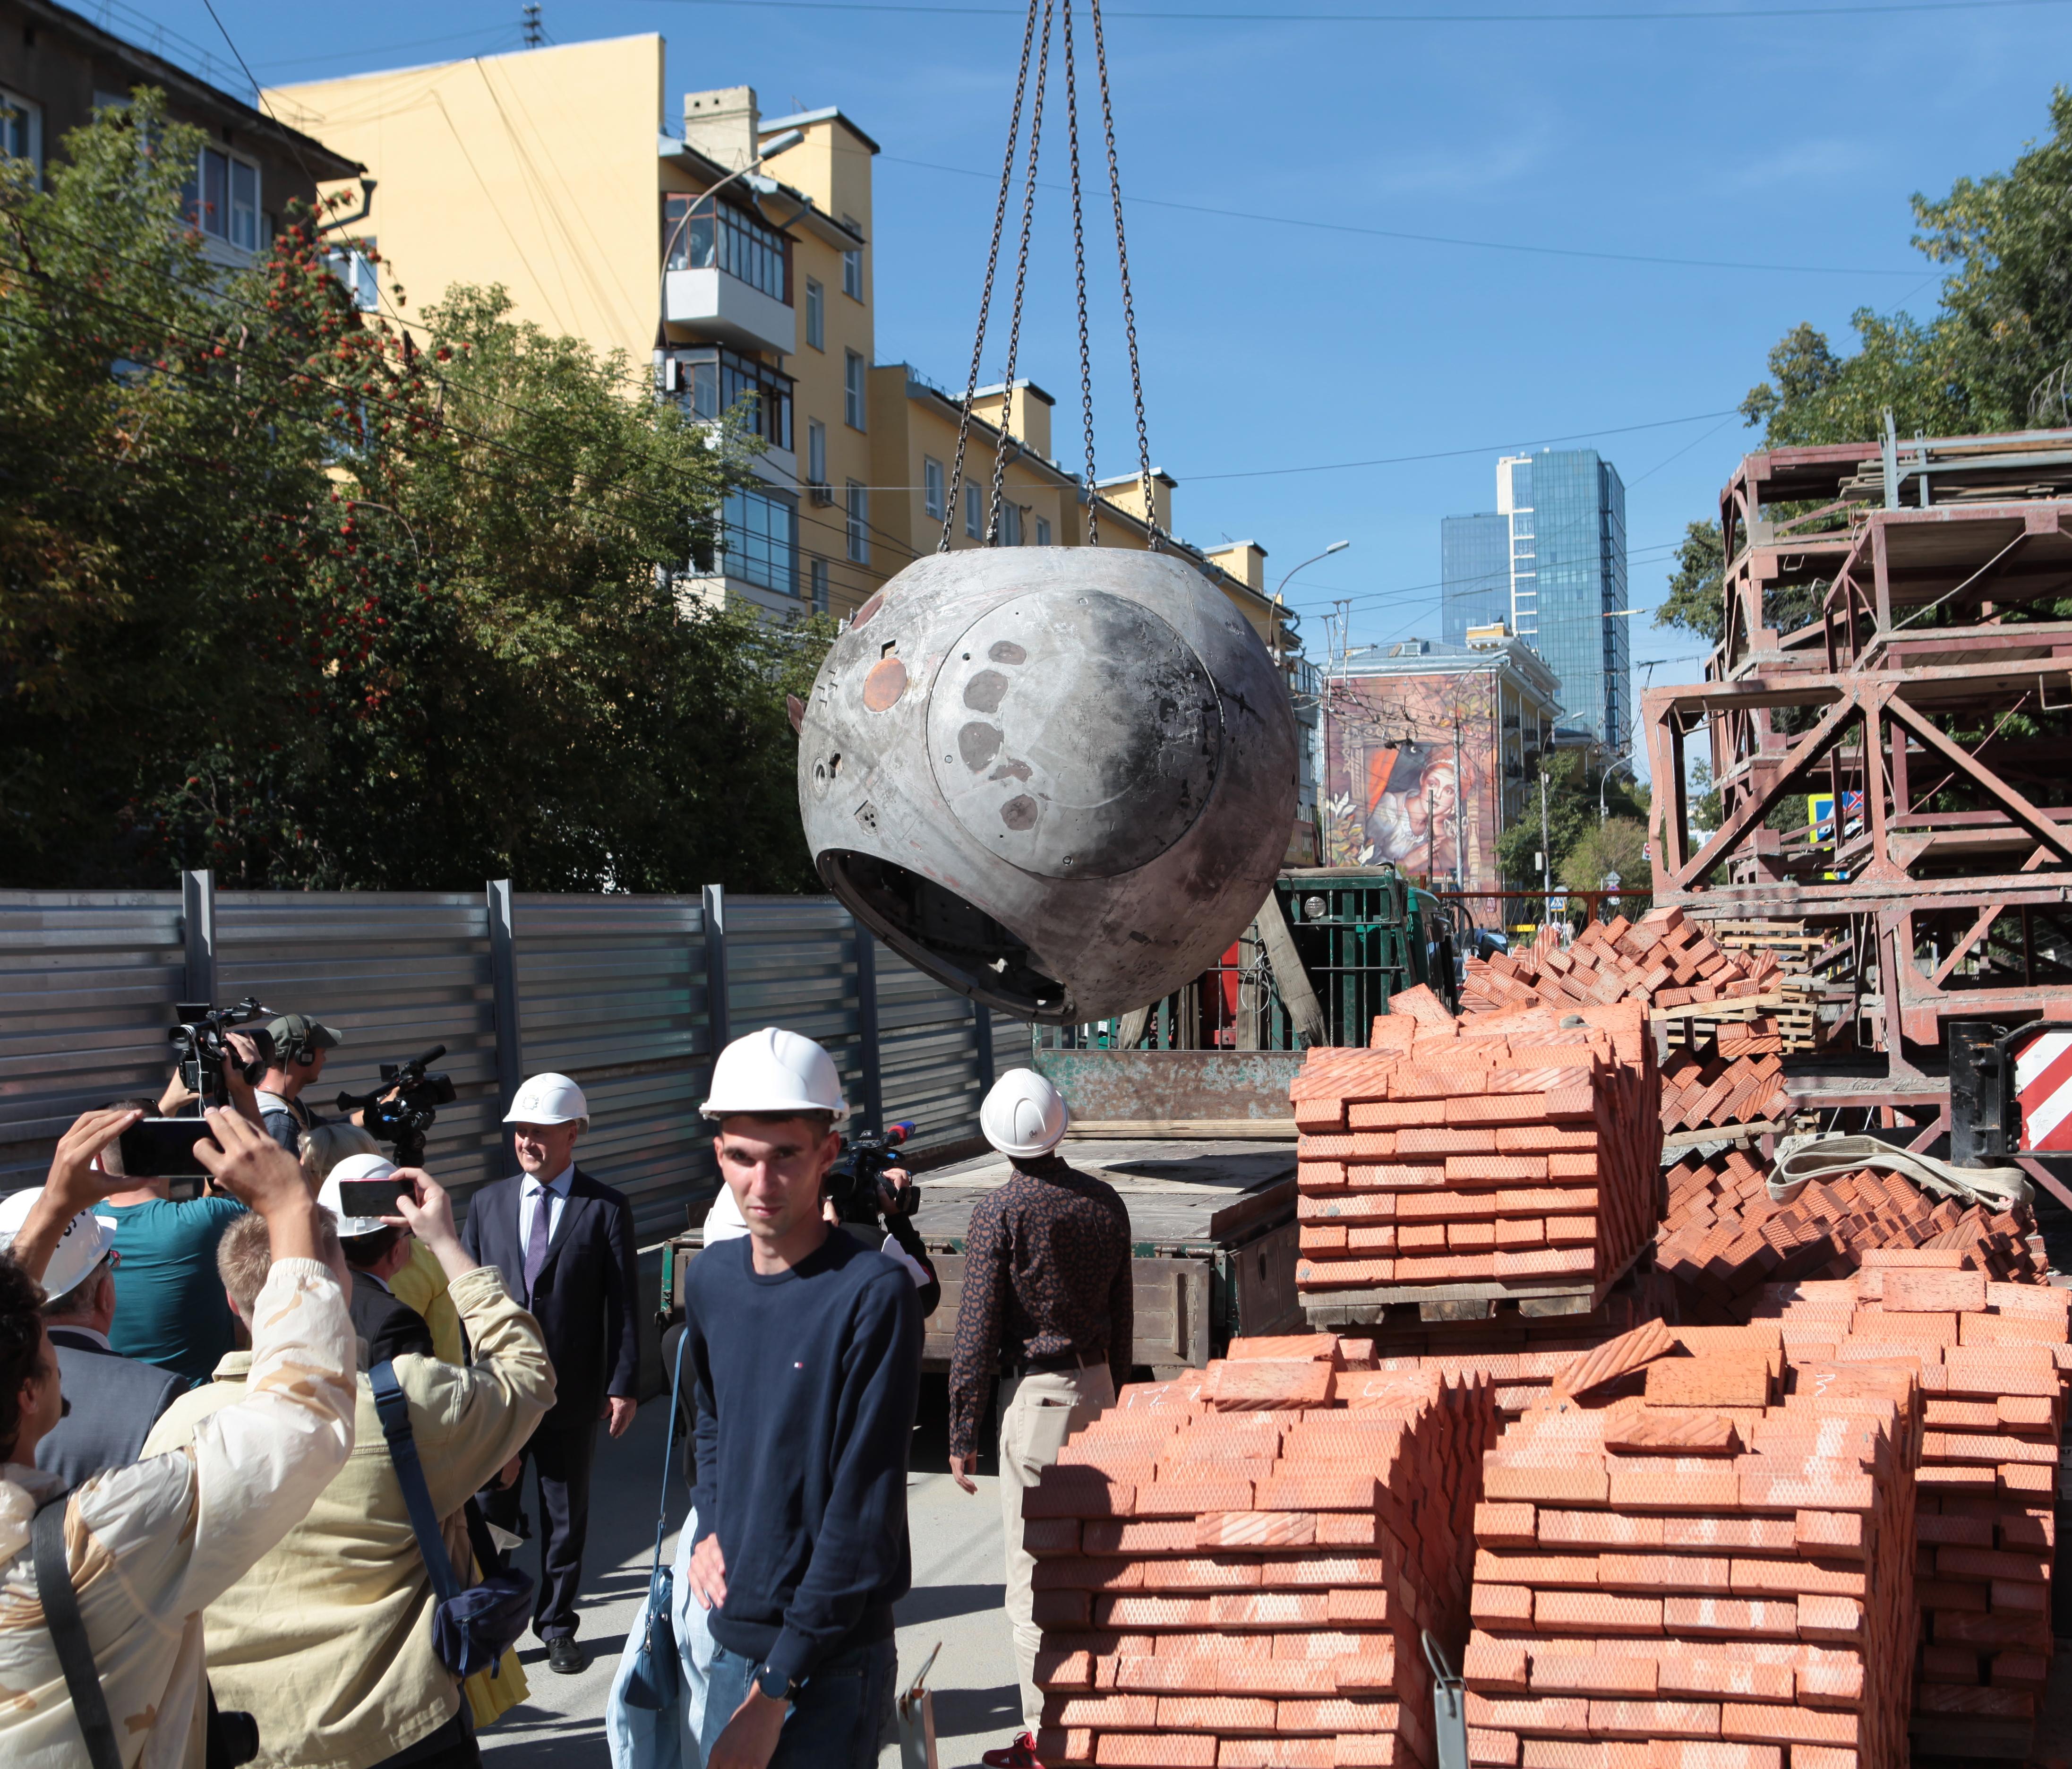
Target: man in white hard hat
(804, 1346)
(1047, 1302)
(111, 1401)
(564, 1244)
(376, 1249)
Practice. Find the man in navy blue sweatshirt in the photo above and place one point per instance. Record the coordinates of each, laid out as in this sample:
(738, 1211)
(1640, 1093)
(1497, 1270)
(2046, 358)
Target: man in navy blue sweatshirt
(807, 1349)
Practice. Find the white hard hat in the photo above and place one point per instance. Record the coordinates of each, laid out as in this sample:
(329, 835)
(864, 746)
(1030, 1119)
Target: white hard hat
(548, 1099)
(83, 1246)
(1024, 1115)
(776, 1072)
(354, 1167)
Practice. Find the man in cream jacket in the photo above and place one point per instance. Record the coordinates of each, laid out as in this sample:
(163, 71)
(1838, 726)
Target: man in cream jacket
(151, 1545)
(328, 1641)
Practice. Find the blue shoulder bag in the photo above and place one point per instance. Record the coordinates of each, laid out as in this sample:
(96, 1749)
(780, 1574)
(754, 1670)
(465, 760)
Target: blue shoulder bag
(652, 1680)
(472, 1627)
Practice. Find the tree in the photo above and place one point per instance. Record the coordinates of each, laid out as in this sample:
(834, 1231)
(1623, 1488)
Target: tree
(319, 601)
(1571, 813)
(1619, 844)
(1697, 599)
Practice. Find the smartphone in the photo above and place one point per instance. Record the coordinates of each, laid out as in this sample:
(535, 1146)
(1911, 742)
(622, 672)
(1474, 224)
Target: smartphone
(163, 1148)
(374, 1197)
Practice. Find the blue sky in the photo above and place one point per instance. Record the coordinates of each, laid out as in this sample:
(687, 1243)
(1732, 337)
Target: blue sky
(1793, 142)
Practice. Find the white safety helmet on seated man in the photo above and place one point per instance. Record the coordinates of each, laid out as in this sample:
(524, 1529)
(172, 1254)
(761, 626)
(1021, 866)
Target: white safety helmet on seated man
(550, 1099)
(1024, 1115)
(87, 1240)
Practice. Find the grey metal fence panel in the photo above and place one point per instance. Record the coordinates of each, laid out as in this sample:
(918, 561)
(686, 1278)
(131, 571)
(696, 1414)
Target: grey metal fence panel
(612, 992)
(87, 985)
(928, 1053)
(395, 973)
(790, 962)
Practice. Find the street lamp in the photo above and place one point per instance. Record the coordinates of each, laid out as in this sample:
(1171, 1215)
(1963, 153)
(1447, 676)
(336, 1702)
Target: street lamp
(781, 144)
(1336, 546)
(1621, 762)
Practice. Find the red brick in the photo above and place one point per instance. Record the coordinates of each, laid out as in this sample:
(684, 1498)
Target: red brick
(1269, 1609)
(1673, 1431)
(1077, 1492)
(1579, 1480)
(1674, 1483)
(1547, 1201)
(1798, 1578)
(1240, 1384)
(1046, 1536)
(1057, 1670)
(1665, 1574)
(1215, 1713)
(1833, 1532)
(1366, 1674)
(1190, 1495)
(1646, 1720)
(1933, 1292)
(1595, 1612)
(1830, 1685)
(1492, 1666)
(1322, 1489)
(1254, 1529)
(1100, 1711)
(1591, 1673)
(1367, 1750)
(1198, 1572)
(1501, 1525)
(1060, 1745)
(1771, 1723)
(1720, 1380)
(1351, 1606)
(1834, 1619)
(1564, 1714)
(1338, 1713)
(1500, 1605)
(1687, 1672)
(1602, 1529)
(1498, 1750)
(1274, 1753)
(1712, 1754)
(1731, 1617)
(1114, 1535)
(1156, 1750)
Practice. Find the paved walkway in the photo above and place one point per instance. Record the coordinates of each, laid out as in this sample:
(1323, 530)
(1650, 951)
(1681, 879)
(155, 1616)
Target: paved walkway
(956, 1600)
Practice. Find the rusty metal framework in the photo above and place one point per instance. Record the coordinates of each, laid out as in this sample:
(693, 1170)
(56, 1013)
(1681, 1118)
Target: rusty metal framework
(1889, 640)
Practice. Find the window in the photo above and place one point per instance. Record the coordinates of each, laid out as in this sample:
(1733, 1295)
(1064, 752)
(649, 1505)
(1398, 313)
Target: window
(711, 381)
(859, 524)
(932, 486)
(816, 314)
(818, 579)
(350, 266)
(223, 200)
(974, 512)
(852, 264)
(817, 452)
(1010, 524)
(1042, 532)
(21, 128)
(762, 541)
(734, 241)
(853, 389)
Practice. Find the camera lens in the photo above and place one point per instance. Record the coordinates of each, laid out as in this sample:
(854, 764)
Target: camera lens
(238, 1732)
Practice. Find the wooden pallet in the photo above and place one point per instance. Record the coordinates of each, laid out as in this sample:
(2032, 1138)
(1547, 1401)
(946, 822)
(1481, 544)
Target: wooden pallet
(1391, 1306)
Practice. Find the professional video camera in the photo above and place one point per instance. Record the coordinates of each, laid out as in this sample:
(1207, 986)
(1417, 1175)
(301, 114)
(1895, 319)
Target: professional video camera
(403, 1107)
(852, 1180)
(205, 1051)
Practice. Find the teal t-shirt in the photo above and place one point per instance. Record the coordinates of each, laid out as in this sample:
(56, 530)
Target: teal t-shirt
(169, 1308)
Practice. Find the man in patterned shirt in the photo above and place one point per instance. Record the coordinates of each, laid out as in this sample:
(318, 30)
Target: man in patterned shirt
(1046, 1297)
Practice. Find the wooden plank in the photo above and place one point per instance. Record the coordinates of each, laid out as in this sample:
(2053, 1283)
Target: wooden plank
(1730, 1007)
(1725, 1133)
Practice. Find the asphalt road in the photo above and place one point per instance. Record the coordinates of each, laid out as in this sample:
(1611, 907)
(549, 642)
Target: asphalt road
(955, 1601)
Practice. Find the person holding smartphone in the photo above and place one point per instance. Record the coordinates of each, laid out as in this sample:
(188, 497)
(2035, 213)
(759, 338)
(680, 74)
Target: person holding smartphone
(360, 1192)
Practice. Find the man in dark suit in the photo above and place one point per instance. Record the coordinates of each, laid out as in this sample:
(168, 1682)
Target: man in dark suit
(111, 1401)
(376, 1249)
(564, 1244)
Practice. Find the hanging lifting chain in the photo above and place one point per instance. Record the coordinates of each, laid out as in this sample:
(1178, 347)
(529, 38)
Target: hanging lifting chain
(1129, 307)
(1020, 287)
(986, 293)
(1079, 271)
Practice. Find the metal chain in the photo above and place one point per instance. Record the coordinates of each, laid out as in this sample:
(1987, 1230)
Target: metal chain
(1129, 307)
(986, 293)
(1021, 285)
(1079, 270)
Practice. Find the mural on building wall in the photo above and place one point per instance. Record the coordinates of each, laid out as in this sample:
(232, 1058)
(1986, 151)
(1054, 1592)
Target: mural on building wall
(1392, 790)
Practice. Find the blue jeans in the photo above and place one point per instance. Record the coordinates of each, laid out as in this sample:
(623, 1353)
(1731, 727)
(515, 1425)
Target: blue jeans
(838, 1719)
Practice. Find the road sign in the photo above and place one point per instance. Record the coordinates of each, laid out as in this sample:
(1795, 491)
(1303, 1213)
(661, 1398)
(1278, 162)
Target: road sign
(2043, 1091)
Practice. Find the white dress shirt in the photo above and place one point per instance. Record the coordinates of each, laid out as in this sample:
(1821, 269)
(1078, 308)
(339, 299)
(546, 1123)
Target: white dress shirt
(556, 1192)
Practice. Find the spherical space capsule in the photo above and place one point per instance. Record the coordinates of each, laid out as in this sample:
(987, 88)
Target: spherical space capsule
(1058, 780)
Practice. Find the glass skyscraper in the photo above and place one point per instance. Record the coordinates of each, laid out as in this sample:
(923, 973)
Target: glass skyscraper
(1474, 572)
(1559, 536)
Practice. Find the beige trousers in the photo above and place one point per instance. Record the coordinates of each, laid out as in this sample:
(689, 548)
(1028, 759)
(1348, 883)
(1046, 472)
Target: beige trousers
(1038, 1412)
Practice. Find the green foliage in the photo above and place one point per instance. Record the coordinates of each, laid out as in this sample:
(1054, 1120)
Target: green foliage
(1696, 599)
(1571, 816)
(1996, 355)
(1618, 844)
(315, 603)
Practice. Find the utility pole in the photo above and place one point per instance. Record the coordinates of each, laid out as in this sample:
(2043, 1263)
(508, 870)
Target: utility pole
(1546, 870)
(534, 35)
(1460, 811)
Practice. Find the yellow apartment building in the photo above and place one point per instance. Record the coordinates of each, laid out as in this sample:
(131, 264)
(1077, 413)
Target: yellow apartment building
(728, 256)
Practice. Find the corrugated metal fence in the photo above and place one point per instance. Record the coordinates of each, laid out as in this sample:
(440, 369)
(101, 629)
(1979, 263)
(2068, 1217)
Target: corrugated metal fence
(629, 995)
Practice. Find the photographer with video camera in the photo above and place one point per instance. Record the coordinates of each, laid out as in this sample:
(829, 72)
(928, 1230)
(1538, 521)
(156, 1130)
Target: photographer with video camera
(339, 1642)
(102, 1592)
(299, 1046)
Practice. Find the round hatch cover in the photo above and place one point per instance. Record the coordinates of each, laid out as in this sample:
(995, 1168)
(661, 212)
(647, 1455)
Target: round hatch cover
(1074, 733)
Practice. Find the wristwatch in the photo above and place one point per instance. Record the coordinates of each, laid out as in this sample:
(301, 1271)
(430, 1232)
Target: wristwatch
(778, 1688)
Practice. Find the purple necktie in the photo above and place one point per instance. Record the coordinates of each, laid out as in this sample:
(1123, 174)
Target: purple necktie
(535, 1243)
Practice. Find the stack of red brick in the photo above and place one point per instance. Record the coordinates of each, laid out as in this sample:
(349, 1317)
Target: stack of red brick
(1710, 1572)
(1724, 1237)
(1508, 1149)
(1235, 1569)
(1992, 1358)
(1662, 961)
(1701, 1091)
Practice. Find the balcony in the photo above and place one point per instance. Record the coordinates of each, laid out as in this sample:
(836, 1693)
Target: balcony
(726, 275)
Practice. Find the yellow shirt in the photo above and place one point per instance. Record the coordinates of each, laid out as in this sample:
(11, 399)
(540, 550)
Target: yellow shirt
(421, 1285)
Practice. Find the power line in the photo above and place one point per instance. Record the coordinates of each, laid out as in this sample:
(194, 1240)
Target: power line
(1729, 15)
(1447, 239)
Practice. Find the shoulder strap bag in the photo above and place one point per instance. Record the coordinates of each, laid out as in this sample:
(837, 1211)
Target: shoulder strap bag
(652, 1680)
(60, 1603)
(472, 1626)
